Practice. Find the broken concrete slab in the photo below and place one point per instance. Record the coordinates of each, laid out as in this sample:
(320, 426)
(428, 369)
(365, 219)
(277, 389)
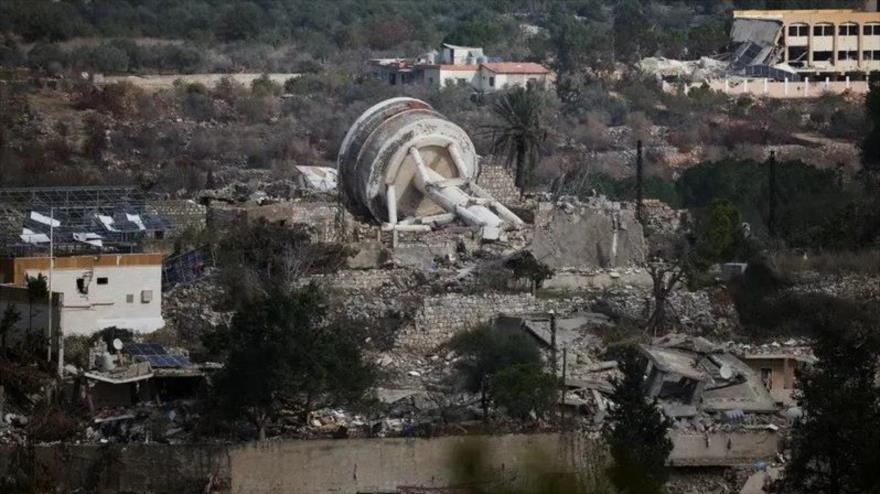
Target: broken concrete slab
(599, 234)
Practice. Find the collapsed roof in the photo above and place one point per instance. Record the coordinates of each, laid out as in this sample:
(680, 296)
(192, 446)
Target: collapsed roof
(695, 373)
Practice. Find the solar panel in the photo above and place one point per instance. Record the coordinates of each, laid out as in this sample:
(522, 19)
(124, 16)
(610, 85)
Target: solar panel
(156, 355)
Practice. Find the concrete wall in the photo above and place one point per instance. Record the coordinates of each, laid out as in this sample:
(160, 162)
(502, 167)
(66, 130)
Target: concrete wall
(775, 89)
(722, 448)
(121, 302)
(347, 466)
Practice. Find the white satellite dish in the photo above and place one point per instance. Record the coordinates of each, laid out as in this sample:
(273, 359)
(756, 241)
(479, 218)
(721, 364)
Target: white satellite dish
(117, 344)
(725, 371)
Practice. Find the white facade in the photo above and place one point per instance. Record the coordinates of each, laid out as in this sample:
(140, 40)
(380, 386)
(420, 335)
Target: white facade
(127, 297)
(461, 55)
(98, 292)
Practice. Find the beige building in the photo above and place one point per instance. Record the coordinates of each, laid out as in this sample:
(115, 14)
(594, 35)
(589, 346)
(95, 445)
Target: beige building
(826, 42)
(778, 372)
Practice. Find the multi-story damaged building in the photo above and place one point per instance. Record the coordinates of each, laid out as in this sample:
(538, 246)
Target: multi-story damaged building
(832, 43)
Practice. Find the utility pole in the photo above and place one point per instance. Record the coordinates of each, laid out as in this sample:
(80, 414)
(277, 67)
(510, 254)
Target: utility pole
(639, 182)
(771, 214)
(553, 343)
(49, 332)
(562, 387)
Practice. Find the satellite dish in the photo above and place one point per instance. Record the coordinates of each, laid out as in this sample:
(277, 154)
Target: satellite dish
(117, 344)
(725, 371)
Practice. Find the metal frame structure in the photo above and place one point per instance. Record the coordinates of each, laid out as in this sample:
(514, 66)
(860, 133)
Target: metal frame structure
(76, 208)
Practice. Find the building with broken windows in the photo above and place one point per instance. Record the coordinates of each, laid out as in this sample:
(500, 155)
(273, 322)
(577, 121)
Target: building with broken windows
(797, 44)
(93, 292)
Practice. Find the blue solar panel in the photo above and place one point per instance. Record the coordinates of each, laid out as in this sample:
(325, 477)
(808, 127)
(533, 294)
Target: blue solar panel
(156, 355)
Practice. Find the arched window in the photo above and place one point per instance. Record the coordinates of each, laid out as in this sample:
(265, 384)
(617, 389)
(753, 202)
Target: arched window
(798, 30)
(848, 29)
(823, 30)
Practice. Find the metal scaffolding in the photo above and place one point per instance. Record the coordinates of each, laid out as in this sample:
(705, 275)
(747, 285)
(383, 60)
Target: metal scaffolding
(87, 220)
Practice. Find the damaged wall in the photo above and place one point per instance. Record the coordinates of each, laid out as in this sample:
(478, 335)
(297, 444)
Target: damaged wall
(443, 316)
(597, 234)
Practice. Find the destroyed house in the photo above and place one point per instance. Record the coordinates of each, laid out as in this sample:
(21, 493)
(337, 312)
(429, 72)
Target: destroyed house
(795, 44)
(687, 375)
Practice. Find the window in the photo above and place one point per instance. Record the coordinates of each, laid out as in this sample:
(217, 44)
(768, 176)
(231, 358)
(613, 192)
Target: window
(146, 296)
(823, 30)
(797, 53)
(103, 281)
(823, 56)
(848, 29)
(872, 54)
(796, 30)
(847, 55)
(491, 81)
(871, 30)
(81, 286)
(129, 299)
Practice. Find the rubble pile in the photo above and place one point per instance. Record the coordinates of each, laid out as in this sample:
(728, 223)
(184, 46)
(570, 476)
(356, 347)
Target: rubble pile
(189, 308)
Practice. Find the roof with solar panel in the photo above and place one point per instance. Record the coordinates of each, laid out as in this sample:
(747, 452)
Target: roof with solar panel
(157, 356)
(80, 220)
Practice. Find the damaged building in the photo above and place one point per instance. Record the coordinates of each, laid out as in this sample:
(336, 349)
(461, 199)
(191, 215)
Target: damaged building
(458, 66)
(691, 374)
(814, 43)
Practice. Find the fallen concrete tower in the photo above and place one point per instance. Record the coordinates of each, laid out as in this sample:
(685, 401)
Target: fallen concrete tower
(409, 167)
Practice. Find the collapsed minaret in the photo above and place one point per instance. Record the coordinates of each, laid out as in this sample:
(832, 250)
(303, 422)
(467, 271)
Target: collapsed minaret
(409, 167)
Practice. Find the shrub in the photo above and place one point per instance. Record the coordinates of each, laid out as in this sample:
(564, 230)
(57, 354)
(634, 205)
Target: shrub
(523, 390)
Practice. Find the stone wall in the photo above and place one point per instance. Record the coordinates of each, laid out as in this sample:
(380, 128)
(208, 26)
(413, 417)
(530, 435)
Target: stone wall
(327, 221)
(182, 214)
(350, 281)
(443, 316)
(497, 180)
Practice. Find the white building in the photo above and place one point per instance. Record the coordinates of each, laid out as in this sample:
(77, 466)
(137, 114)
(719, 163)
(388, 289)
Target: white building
(461, 55)
(459, 66)
(93, 292)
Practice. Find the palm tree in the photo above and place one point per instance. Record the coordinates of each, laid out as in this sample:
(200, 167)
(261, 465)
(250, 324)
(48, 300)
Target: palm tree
(520, 132)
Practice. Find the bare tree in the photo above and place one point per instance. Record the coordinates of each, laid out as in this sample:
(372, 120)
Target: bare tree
(665, 276)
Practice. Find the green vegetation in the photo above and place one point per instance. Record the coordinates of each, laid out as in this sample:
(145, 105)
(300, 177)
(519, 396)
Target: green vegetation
(277, 353)
(871, 144)
(637, 432)
(261, 254)
(505, 367)
(521, 130)
(836, 445)
(526, 267)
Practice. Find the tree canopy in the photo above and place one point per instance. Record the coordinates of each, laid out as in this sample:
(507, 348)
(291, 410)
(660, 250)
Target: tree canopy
(278, 353)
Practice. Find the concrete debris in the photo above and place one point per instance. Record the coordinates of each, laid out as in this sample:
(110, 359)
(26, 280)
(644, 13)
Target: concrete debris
(686, 70)
(694, 371)
(596, 234)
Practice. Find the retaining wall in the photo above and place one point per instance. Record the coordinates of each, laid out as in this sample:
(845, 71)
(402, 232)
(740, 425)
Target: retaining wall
(347, 466)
